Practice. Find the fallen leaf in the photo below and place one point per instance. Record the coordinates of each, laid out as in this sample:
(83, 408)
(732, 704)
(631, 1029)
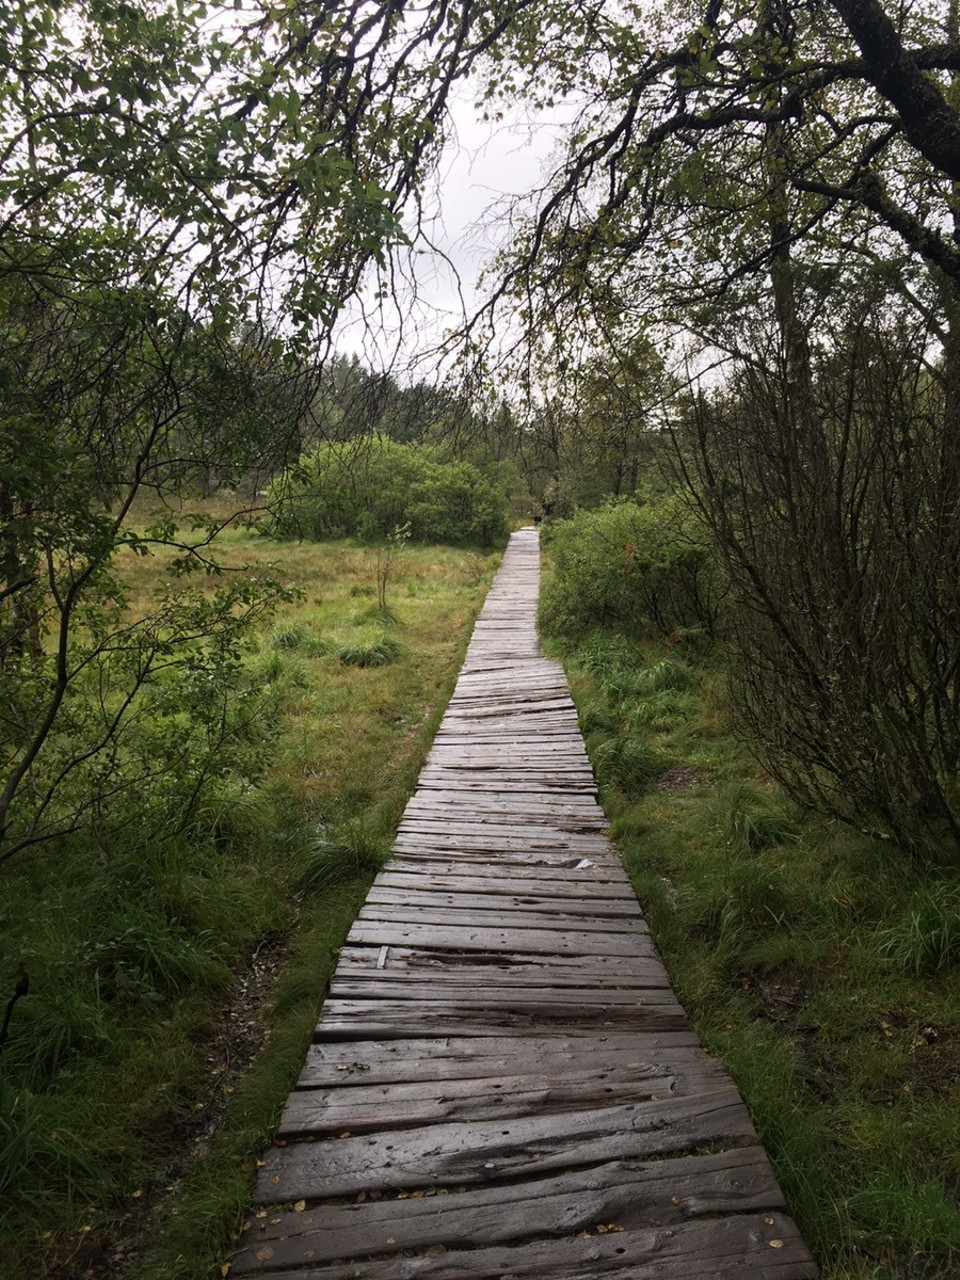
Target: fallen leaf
(776, 1244)
(345, 1135)
(136, 1194)
(391, 1240)
(225, 1269)
(674, 1199)
(768, 1222)
(261, 1213)
(299, 1206)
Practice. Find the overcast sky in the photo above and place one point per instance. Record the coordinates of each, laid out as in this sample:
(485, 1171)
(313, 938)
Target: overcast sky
(484, 165)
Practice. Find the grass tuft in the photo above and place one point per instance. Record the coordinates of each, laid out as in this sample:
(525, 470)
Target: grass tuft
(374, 653)
(342, 854)
(278, 670)
(752, 825)
(925, 937)
(627, 762)
(299, 636)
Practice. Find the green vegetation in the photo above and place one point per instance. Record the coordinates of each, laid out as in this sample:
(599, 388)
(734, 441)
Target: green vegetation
(632, 562)
(820, 965)
(372, 487)
(741, 279)
(143, 935)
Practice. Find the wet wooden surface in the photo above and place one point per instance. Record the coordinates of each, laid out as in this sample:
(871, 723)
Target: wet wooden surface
(502, 1083)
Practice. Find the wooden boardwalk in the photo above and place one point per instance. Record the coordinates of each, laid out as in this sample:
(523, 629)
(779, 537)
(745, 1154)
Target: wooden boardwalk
(502, 1082)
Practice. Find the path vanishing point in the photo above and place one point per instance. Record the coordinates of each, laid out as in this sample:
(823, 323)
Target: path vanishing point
(502, 1083)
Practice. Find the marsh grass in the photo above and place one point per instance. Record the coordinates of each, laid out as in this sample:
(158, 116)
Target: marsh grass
(134, 944)
(923, 936)
(371, 653)
(348, 851)
(818, 962)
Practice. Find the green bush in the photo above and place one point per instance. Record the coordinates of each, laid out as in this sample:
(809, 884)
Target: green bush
(638, 563)
(368, 489)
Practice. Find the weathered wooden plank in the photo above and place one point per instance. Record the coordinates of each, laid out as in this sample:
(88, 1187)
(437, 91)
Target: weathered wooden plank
(550, 704)
(540, 865)
(494, 760)
(487, 825)
(347, 1063)
(497, 723)
(624, 1195)
(560, 844)
(508, 916)
(378, 1019)
(494, 802)
(502, 858)
(363, 1108)
(550, 942)
(495, 837)
(553, 762)
(476, 986)
(487, 1150)
(452, 878)
(501, 969)
(442, 780)
(460, 1076)
(439, 806)
(570, 905)
(764, 1246)
(540, 833)
(556, 1002)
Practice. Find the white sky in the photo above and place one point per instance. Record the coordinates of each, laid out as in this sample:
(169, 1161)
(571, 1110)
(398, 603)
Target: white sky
(485, 164)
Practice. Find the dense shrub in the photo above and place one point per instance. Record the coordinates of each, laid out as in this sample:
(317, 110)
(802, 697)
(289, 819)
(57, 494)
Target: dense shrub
(837, 516)
(638, 563)
(367, 489)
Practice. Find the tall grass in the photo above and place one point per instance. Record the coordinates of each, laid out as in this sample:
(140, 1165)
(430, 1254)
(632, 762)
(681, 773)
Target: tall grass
(136, 939)
(817, 961)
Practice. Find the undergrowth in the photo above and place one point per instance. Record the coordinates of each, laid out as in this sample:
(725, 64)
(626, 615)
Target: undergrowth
(821, 964)
(137, 940)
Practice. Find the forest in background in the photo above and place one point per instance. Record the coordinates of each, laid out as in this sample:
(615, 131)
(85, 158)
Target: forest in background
(721, 338)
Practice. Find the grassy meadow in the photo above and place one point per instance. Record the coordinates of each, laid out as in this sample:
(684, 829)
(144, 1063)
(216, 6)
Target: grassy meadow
(174, 981)
(818, 962)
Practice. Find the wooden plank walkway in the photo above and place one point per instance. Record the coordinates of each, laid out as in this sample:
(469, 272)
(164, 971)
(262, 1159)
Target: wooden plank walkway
(502, 1083)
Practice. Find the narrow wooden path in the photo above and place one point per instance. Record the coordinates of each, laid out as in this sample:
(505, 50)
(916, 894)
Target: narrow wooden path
(502, 1082)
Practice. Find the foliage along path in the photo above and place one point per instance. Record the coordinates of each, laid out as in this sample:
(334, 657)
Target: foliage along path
(502, 1083)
